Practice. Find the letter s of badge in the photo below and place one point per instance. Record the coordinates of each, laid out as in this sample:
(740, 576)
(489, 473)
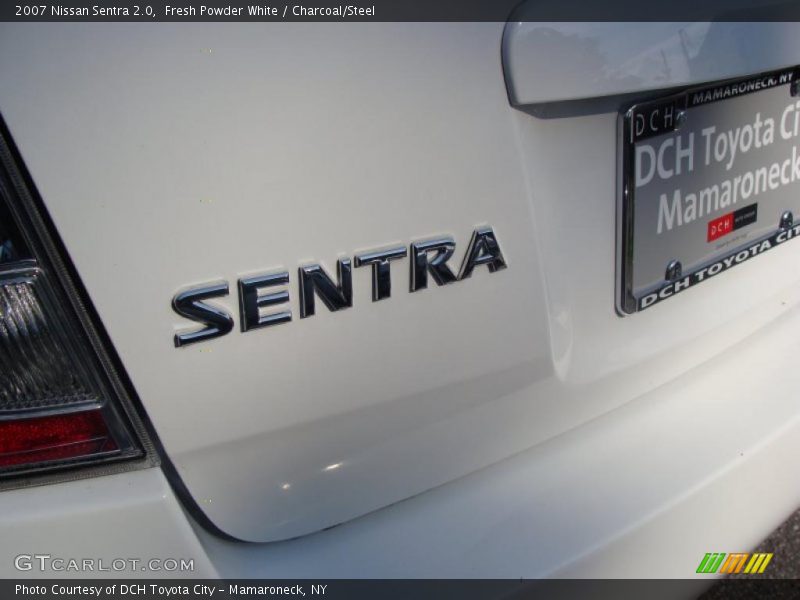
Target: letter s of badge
(189, 304)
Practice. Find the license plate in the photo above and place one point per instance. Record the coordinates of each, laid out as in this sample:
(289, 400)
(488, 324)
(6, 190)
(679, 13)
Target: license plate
(709, 178)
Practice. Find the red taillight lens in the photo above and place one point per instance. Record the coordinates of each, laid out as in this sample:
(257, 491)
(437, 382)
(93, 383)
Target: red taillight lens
(62, 403)
(55, 437)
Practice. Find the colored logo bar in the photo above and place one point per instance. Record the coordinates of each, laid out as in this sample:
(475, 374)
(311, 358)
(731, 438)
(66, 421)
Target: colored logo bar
(737, 562)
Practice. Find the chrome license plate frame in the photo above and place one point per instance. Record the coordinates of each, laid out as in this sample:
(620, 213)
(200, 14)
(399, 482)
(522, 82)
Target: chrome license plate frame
(646, 218)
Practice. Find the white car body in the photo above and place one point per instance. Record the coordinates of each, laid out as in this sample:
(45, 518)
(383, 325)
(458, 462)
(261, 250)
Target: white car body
(508, 425)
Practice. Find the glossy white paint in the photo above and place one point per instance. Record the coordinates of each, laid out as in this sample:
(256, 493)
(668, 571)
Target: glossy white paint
(706, 462)
(196, 153)
(550, 62)
(132, 515)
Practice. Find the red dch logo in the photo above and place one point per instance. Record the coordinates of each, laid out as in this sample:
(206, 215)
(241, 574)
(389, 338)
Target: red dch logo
(720, 226)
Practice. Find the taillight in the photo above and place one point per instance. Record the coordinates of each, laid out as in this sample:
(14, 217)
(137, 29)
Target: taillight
(57, 437)
(62, 404)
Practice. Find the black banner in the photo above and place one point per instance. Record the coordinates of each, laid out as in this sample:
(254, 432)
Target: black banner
(398, 10)
(393, 589)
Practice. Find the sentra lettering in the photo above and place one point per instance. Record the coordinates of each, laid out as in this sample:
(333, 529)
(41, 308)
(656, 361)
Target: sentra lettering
(426, 257)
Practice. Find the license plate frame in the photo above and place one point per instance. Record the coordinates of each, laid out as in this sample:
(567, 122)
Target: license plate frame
(648, 120)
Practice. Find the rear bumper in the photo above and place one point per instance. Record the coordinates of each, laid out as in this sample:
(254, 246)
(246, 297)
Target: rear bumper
(706, 463)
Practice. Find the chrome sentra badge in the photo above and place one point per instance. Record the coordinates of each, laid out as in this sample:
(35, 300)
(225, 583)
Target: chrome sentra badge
(426, 258)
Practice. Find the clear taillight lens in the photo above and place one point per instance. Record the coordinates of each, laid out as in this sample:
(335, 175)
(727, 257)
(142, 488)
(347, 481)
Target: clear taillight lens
(60, 402)
(40, 365)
